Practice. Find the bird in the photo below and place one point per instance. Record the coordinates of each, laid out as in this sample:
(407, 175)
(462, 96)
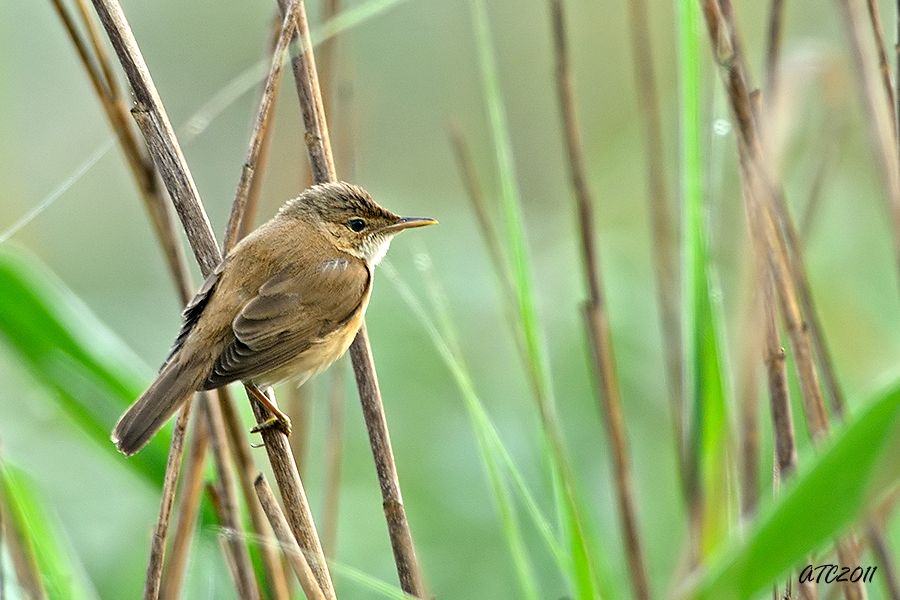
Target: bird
(284, 304)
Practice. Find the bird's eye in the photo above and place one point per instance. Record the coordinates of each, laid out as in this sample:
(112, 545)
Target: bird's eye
(356, 225)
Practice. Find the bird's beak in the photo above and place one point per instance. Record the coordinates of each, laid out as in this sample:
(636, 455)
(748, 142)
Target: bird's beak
(409, 223)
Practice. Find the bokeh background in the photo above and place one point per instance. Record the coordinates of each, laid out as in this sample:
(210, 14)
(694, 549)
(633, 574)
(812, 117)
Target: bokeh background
(411, 71)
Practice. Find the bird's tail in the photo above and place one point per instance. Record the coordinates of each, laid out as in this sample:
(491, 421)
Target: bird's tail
(173, 386)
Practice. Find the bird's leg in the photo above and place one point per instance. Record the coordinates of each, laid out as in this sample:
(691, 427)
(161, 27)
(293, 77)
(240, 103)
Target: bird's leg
(278, 420)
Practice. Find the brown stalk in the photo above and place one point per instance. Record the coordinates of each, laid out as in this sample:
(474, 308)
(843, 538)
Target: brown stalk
(665, 250)
(105, 87)
(292, 493)
(21, 553)
(765, 227)
(747, 393)
(322, 163)
(596, 319)
(167, 155)
(884, 66)
(161, 530)
(161, 217)
(773, 47)
(883, 128)
(286, 539)
(225, 537)
(886, 560)
(230, 512)
(302, 514)
(256, 185)
(261, 124)
(469, 176)
(242, 457)
(779, 399)
(882, 113)
(188, 509)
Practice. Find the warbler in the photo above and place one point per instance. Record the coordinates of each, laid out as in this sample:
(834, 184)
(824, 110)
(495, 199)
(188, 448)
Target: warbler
(285, 303)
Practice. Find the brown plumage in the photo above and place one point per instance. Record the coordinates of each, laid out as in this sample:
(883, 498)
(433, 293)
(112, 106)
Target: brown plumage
(285, 303)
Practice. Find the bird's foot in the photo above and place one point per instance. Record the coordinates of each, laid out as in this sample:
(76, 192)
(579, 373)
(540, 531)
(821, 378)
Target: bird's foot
(280, 422)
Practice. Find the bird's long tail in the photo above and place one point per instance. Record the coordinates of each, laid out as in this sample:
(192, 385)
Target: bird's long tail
(173, 386)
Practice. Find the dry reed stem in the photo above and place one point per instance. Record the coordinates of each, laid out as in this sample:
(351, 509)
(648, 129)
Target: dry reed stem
(886, 560)
(292, 493)
(261, 124)
(469, 177)
(779, 399)
(897, 76)
(322, 163)
(256, 186)
(747, 393)
(238, 443)
(286, 539)
(238, 223)
(765, 229)
(225, 537)
(161, 530)
(884, 66)
(164, 148)
(596, 319)
(161, 217)
(665, 251)
(721, 35)
(883, 130)
(247, 586)
(773, 48)
(139, 163)
(188, 509)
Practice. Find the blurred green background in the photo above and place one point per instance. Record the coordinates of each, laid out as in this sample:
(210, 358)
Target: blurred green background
(412, 70)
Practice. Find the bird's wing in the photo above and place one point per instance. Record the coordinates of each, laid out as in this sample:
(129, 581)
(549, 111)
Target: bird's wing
(286, 316)
(194, 309)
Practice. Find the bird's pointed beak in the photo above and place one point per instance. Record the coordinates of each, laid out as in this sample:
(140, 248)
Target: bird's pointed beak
(409, 223)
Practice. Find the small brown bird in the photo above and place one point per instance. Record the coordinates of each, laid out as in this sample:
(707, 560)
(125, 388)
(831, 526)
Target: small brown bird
(285, 303)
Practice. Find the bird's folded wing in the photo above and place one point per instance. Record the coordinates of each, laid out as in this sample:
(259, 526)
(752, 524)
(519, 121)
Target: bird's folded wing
(194, 309)
(289, 313)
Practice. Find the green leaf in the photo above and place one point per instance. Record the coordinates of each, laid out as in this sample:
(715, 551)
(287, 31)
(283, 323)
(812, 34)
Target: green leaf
(859, 465)
(93, 374)
(41, 537)
(704, 382)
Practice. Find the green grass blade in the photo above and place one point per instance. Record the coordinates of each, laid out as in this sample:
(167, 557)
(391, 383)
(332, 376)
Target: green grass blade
(493, 452)
(568, 506)
(62, 576)
(705, 385)
(372, 584)
(92, 373)
(859, 466)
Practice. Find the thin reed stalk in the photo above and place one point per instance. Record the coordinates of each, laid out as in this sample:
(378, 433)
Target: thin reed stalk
(662, 224)
(188, 510)
(881, 120)
(165, 150)
(288, 544)
(595, 311)
(765, 228)
(322, 162)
